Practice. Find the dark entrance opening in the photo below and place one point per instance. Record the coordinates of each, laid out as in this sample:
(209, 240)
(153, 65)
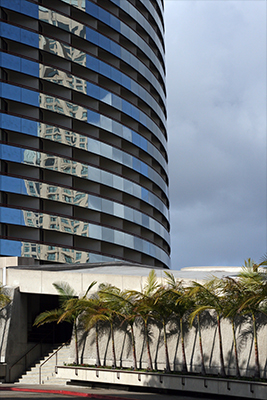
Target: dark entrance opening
(49, 332)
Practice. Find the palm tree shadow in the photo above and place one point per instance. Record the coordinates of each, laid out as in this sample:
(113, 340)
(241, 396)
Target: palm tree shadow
(193, 351)
(207, 321)
(103, 332)
(159, 344)
(122, 328)
(91, 339)
(261, 323)
(230, 358)
(82, 343)
(173, 331)
(212, 348)
(141, 353)
(246, 334)
(150, 338)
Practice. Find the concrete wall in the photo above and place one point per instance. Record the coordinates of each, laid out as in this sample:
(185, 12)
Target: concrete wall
(210, 347)
(36, 281)
(13, 337)
(13, 331)
(5, 315)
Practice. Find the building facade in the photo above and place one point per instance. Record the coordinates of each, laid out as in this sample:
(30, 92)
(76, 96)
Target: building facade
(83, 142)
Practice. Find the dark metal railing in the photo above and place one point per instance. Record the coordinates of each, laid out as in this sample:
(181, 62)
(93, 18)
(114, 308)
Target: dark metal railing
(25, 355)
(49, 358)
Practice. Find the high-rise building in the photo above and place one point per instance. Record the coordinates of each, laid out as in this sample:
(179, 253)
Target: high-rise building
(83, 131)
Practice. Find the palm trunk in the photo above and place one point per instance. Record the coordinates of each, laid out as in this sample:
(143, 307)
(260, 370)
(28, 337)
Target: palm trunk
(150, 367)
(220, 346)
(98, 362)
(76, 362)
(114, 365)
(168, 368)
(133, 348)
(235, 348)
(184, 367)
(203, 369)
(257, 371)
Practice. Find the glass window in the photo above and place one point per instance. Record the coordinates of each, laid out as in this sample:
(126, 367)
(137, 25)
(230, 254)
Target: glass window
(108, 235)
(68, 259)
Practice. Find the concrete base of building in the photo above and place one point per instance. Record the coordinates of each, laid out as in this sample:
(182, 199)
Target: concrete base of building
(165, 382)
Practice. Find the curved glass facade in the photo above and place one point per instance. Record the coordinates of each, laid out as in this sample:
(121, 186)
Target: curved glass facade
(83, 141)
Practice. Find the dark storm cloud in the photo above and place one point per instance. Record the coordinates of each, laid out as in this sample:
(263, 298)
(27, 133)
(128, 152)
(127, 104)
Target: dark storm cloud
(216, 80)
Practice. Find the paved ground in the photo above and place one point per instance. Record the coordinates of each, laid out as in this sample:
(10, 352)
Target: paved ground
(46, 392)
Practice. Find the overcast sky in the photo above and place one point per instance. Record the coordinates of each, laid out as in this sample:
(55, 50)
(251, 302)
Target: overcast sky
(216, 82)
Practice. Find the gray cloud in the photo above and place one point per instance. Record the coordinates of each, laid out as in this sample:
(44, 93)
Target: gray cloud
(216, 79)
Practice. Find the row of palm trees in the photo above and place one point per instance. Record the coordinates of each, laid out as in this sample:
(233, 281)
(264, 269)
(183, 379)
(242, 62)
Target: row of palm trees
(228, 298)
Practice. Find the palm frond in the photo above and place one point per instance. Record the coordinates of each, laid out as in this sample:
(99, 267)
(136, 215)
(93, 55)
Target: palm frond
(151, 284)
(171, 281)
(197, 311)
(89, 288)
(47, 316)
(65, 291)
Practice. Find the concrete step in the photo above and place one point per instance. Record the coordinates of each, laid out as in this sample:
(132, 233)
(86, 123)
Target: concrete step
(48, 375)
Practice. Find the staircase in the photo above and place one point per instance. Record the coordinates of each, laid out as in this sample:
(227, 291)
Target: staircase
(48, 374)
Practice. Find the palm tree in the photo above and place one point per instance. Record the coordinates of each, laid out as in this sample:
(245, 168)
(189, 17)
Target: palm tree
(254, 290)
(69, 310)
(233, 298)
(210, 297)
(162, 311)
(128, 314)
(195, 300)
(144, 301)
(181, 304)
(126, 311)
(94, 311)
(106, 294)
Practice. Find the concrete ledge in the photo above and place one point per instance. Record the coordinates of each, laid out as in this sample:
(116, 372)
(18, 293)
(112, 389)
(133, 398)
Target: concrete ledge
(183, 383)
(3, 369)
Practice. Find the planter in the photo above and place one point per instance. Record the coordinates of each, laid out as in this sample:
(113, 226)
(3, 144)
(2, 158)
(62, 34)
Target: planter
(194, 384)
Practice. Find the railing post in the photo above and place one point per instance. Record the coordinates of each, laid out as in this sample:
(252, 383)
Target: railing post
(52, 355)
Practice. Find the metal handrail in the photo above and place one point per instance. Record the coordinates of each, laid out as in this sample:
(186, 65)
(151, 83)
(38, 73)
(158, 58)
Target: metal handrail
(52, 355)
(25, 355)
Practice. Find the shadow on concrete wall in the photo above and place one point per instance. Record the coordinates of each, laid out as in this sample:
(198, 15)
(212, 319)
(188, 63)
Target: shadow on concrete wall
(244, 334)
